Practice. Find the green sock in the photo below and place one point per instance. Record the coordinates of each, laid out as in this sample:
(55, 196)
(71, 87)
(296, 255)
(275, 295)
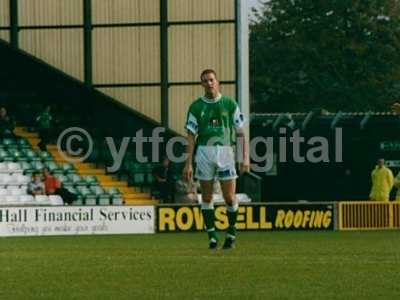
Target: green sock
(208, 215)
(232, 212)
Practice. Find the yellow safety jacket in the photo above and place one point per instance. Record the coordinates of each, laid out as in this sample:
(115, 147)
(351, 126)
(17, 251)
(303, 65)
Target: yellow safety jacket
(382, 183)
(397, 185)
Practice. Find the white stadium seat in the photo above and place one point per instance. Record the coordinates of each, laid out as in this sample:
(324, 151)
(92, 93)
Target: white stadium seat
(4, 192)
(42, 199)
(243, 198)
(56, 200)
(217, 198)
(3, 179)
(22, 179)
(13, 179)
(9, 179)
(14, 167)
(16, 179)
(27, 199)
(3, 168)
(17, 192)
(12, 199)
(24, 187)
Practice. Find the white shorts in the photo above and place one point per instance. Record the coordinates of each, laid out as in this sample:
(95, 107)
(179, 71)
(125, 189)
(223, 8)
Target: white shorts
(215, 163)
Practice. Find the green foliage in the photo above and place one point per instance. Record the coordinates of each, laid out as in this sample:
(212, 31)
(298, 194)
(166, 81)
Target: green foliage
(337, 54)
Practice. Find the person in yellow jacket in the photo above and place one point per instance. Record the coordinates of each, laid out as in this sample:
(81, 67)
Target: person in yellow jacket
(382, 182)
(397, 185)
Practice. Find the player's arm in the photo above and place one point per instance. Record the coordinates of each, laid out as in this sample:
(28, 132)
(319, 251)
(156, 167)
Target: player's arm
(242, 147)
(192, 130)
(396, 108)
(188, 169)
(244, 161)
(159, 178)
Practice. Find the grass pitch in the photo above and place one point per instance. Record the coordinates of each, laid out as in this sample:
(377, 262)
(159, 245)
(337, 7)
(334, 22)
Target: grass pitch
(265, 265)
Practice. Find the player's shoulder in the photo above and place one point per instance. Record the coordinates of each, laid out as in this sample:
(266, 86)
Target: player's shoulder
(229, 102)
(227, 98)
(196, 104)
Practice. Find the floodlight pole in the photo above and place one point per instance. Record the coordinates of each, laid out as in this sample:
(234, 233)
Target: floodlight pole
(164, 63)
(87, 43)
(242, 62)
(14, 23)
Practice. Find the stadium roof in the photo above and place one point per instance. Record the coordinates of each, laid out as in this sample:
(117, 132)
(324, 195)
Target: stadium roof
(303, 114)
(321, 117)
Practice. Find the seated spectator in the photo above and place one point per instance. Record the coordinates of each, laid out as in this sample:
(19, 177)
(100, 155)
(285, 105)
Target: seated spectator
(163, 181)
(51, 183)
(186, 192)
(7, 124)
(54, 187)
(36, 186)
(44, 121)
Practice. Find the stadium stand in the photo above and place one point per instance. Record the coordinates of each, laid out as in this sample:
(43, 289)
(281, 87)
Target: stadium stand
(92, 185)
(20, 157)
(26, 95)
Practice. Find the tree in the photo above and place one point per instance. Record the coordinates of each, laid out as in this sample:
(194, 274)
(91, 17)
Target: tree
(337, 54)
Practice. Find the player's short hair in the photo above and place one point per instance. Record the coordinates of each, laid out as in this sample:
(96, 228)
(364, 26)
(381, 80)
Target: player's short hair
(206, 72)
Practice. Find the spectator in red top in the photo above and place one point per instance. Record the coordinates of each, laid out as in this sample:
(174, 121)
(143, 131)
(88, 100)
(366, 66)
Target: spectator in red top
(51, 183)
(53, 187)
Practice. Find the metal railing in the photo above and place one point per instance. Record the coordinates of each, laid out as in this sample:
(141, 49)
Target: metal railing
(368, 215)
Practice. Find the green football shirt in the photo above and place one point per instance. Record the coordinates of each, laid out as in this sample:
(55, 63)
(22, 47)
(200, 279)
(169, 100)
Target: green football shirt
(214, 121)
(44, 120)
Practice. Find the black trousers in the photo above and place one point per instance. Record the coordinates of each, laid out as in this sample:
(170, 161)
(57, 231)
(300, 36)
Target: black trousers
(66, 195)
(45, 137)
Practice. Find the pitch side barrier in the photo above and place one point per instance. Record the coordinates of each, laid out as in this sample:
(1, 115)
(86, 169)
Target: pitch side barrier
(90, 220)
(368, 215)
(251, 216)
(76, 220)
